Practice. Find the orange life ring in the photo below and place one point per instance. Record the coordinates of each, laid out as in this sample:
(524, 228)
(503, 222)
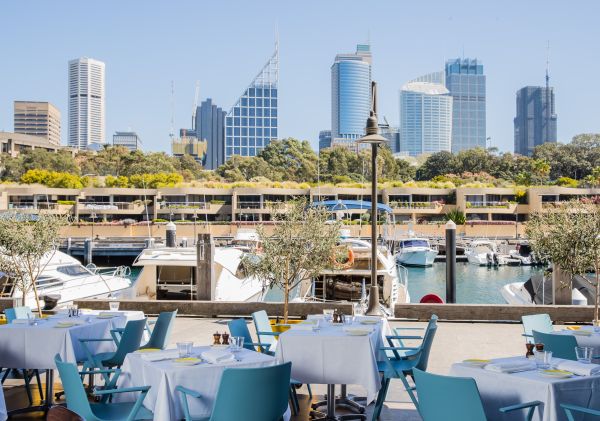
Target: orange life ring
(346, 265)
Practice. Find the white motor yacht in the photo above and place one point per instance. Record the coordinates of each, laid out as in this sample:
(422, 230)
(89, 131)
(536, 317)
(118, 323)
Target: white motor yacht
(63, 279)
(484, 253)
(351, 281)
(538, 290)
(416, 252)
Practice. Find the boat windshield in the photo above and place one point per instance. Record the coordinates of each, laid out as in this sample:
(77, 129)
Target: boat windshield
(73, 270)
(414, 243)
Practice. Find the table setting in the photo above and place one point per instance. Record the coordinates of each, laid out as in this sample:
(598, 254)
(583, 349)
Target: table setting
(195, 367)
(506, 381)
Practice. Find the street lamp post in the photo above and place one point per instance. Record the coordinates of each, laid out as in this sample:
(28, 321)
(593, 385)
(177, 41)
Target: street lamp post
(93, 218)
(374, 139)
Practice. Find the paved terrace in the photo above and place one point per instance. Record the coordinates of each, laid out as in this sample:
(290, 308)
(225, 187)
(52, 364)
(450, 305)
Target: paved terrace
(454, 342)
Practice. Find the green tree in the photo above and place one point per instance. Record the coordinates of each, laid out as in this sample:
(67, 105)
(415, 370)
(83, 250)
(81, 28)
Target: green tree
(290, 160)
(439, 163)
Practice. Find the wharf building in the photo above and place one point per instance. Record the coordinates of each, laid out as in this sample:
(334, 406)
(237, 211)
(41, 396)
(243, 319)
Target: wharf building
(259, 204)
(37, 118)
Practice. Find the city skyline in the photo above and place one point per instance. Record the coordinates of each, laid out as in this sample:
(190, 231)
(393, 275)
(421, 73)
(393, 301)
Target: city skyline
(139, 96)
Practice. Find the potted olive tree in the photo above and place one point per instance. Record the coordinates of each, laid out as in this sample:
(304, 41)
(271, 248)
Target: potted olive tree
(568, 235)
(26, 247)
(303, 243)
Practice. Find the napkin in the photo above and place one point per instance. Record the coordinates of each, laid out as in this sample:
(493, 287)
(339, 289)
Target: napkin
(110, 314)
(367, 319)
(20, 321)
(358, 329)
(216, 356)
(511, 366)
(314, 317)
(159, 356)
(302, 326)
(581, 369)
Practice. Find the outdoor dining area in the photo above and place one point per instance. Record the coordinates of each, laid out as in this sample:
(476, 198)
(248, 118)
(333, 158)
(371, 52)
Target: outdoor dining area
(80, 364)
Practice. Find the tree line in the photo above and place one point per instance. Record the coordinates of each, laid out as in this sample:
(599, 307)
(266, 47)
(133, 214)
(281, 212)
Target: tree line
(572, 164)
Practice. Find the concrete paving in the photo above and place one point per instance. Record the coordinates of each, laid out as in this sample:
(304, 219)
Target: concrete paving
(453, 342)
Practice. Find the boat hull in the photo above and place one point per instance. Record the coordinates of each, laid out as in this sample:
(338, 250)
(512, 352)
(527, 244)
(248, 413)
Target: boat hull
(418, 257)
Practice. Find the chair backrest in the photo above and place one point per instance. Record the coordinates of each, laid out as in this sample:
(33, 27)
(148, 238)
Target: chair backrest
(60, 413)
(448, 398)
(253, 394)
(562, 346)
(262, 324)
(77, 400)
(17, 313)
(162, 329)
(238, 327)
(130, 341)
(540, 322)
(427, 342)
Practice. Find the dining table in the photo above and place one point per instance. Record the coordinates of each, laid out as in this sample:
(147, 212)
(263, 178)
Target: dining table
(335, 354)
(585, 336)
(161, 371)
(33, 344)
(500, 389)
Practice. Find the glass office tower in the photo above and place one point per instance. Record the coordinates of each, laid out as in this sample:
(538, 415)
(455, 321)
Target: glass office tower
(425, 118)
(351, 93)
(466, 82)
(535, 123)
(252, 122)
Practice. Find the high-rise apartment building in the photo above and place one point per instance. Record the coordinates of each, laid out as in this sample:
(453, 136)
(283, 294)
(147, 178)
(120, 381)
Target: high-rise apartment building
(130, 140)
(86, 103)
(324, 139)
(252, 122)
(351, 93)
(37, 119)
(425, 118)
(209, 126)
(466, 82)
(392, 134)
(189, 145)
(535, 123)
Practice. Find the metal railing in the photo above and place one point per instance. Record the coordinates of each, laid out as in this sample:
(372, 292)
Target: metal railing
(490, 204)
(415, 205)
(184, 205)
(249, 205)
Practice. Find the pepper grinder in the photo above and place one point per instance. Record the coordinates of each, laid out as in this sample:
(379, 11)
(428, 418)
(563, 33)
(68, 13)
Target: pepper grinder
(225, 336)
(217, 338)
(529, 350)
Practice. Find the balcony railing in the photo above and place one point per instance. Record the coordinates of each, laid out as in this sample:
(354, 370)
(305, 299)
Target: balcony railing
(104, 206)
(41, 206)
(184, 205)
(489, 205)
(249, 205)
(415, 205)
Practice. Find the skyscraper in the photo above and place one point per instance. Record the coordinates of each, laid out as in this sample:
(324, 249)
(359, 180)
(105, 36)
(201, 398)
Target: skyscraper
(466, 82)
(535, 123)
(86, 103)
(130, 140)
(425, 118)
(209, 126)
(252, 122)
(324, 139)
(392, 134)
(351, 93)
(37, 119)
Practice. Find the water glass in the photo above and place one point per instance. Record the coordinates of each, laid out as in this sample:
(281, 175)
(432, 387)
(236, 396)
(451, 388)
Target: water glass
(75, 310)
(113, 305)
(348, 320)
(184, 349)
(584, 354)
(543, 359)
(328, 315)
(316, 325)
(237, 343)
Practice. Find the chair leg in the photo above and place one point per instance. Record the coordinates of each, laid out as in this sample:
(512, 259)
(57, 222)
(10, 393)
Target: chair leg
(409, 391)
(27, 380)
(385, 384)
(309, 391)
(39, 383)
(294, 405)
(6, 373)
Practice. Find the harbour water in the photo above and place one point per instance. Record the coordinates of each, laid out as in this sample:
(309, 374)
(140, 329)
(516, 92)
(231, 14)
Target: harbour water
(474, 284)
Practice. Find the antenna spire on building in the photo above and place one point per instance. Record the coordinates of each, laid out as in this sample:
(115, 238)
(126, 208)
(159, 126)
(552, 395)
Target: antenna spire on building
(172, 129)
(548, 65)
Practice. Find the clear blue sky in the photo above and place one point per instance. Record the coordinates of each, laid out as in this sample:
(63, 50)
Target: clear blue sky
(223, 44)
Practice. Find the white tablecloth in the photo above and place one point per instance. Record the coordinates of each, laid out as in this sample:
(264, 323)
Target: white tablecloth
(331, 356)
(501, 389)
(24, 346)
(592, 340)
(164, 376)
(3, 413)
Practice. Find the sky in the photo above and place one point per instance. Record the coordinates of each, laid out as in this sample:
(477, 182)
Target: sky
(224, 44)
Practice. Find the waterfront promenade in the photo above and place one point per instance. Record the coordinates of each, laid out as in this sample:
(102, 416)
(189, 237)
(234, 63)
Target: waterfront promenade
(454, 342)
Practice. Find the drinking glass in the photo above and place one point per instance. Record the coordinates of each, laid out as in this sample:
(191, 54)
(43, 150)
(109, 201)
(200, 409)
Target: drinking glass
(543, 359)
(584, 354)
(184, 349)
(113, 305)
(328, 315)
(237, 343)
(75, 310)
(348, 320)
(316, 326)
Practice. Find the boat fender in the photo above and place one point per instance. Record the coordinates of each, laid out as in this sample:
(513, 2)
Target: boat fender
(431, 299)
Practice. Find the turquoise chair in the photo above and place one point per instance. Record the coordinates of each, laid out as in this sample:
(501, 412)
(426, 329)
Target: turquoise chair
(161, 332)
(540, 322)
(264, 330)
(77, 400)
(569, 409)
(562, 346)
(249, 394)
(402, 360)
(455, 399)
(238, 327)
(129, 342)
(12, 314)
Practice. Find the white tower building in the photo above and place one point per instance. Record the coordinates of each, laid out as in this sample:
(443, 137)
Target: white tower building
(86, 103)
